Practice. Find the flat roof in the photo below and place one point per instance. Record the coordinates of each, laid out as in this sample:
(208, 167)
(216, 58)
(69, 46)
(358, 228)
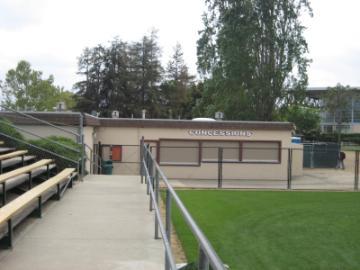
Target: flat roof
(172, 123)
(73, 119)
(316, 92)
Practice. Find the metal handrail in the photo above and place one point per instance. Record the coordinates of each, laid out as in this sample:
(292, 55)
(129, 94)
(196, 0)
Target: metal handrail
(39, 148)
(93, 154)
(78, 136)
(166, 241)
(40, 137)
(40, 120)
(207, 255)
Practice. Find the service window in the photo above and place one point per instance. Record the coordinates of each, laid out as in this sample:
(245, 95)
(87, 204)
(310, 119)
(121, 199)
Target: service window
(210, 151)
(179, 152)
(116, 153)
(261, 152)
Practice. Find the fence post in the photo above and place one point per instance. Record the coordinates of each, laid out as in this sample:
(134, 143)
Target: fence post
(356, 183)
(203, 260)
(168, 225)
(147, 155)
(289, 173)
(157, 202)
(220, 167)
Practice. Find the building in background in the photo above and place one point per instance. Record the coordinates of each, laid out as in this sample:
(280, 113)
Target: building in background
(351, 116)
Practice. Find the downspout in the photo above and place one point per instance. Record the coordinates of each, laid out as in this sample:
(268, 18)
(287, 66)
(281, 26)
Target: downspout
(81, 141)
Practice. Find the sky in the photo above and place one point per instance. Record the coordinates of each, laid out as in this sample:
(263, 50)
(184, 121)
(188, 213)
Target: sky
(51, 35)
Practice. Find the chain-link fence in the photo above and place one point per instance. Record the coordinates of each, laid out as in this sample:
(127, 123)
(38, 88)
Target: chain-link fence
(246, 167)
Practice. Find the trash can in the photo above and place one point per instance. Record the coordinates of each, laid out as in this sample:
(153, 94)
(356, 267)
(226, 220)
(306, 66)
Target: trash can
(107, 167)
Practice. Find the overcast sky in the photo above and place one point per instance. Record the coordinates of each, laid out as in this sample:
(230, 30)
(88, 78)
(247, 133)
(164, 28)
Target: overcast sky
(52, 34)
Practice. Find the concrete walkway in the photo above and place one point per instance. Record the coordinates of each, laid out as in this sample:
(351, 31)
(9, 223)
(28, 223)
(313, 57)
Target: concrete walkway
(102, 223)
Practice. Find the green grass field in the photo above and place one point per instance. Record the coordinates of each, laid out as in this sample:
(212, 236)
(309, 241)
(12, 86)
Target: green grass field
(275, 230)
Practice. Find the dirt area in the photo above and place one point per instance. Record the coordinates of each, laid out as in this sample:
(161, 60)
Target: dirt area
(176, 246)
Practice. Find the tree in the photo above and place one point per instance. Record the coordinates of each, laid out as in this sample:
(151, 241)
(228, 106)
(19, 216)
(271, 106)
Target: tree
(306, 120)
(122, 76)
(148, 71)
(251, 52)
(24, 89)
(177, 86)
(336, 102)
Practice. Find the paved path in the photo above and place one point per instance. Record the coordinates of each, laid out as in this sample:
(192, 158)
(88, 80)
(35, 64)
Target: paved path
(102, 223)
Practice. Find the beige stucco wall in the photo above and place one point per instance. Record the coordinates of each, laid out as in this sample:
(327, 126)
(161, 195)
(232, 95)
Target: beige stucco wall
(355, 128)
(297, 159)
(88, 140)
(114, 135)
(46, 131)
(132, 136)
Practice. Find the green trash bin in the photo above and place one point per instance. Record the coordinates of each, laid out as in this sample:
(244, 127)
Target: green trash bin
(107, 167)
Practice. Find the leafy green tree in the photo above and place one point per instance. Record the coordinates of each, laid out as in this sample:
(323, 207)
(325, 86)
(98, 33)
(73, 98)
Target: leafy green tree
(336, 102)
(306, 119)
(24, 89)
(250, 53)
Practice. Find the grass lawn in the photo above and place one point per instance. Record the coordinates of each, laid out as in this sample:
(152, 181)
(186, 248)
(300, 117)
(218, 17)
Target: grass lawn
(275, 230)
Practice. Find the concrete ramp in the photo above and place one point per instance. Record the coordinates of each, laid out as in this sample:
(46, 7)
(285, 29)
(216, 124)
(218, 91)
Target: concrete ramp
(102, 223)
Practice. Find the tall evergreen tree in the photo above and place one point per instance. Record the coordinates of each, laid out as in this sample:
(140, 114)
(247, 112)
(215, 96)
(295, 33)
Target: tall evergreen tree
(177, 86)
(251, 52)
(123, 76)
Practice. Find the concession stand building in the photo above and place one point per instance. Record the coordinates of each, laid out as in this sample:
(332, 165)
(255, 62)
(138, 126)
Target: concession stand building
(188, 149)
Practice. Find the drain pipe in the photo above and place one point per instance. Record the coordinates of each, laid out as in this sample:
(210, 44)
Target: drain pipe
(82, 147)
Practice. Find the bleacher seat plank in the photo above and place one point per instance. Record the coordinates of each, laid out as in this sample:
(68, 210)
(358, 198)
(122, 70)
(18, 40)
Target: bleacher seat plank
(13, 154)
(25, 169)
(7, 211)
(6, 149)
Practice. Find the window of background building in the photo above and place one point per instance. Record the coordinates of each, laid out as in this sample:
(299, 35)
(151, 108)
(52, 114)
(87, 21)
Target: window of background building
(260, 151)
(179, 152)
(210, 151)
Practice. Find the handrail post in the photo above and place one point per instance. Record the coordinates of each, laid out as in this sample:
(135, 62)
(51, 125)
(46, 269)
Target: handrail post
(157, 202)
(168, 224)
(151, 181)
(147, 180)
(203, 260)
(141, 160)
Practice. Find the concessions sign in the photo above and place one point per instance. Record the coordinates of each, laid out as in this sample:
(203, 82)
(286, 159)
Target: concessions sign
(220, 132)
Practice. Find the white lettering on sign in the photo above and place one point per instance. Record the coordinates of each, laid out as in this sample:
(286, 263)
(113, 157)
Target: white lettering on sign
(216, 132)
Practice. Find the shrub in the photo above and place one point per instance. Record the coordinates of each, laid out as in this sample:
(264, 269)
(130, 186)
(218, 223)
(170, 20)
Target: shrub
(6, 128)
(58, 149)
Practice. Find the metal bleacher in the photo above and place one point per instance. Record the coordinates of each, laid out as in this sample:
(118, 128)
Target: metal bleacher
(25, 185)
